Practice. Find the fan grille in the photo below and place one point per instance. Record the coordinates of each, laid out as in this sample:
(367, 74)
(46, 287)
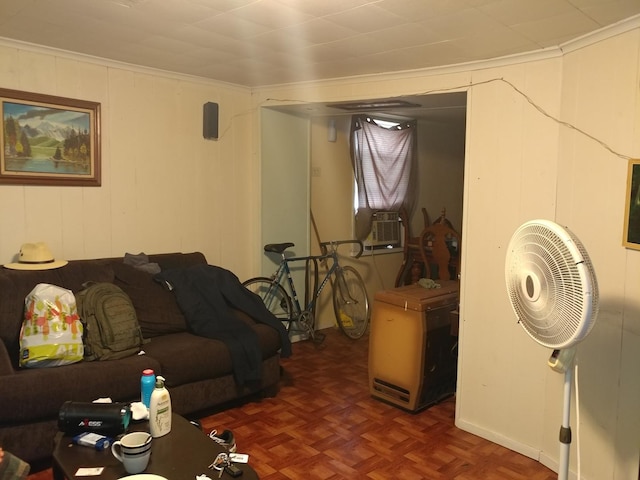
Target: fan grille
(551, 284)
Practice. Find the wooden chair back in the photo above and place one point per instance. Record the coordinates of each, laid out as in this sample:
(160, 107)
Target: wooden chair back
(440, 247)
(443, 219)
(412, 248)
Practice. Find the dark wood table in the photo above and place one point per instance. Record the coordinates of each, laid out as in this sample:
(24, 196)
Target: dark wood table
(182, 454)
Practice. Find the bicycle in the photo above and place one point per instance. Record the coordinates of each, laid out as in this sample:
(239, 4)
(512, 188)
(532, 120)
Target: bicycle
(350, 302)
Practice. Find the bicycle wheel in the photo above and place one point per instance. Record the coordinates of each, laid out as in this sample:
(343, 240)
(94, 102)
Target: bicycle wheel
(274, 296)
(350, 302)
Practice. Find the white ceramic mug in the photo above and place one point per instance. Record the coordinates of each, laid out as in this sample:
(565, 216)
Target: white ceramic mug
(133, 450)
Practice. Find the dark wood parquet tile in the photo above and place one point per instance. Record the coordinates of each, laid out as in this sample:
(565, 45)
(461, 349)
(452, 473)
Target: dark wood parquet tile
(323, 424)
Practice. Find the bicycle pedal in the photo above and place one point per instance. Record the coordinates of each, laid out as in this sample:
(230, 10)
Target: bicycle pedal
(318, 338)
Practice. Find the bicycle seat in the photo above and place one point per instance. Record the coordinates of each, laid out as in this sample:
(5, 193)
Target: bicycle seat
(278, 247)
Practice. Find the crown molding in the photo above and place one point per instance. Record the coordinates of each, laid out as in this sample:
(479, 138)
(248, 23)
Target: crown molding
(105, 62)
(605, 33)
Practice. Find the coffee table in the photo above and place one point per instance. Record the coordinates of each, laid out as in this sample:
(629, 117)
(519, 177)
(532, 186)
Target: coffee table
(182, 454)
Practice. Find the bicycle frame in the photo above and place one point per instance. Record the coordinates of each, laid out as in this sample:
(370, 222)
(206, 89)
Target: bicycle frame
(284, 271)
(280, 296)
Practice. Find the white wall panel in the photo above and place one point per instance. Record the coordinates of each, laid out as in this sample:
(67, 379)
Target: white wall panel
(602, 98)
(164, 187)
(286, 197)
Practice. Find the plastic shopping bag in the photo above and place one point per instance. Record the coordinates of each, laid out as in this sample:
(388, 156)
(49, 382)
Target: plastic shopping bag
(51, 333)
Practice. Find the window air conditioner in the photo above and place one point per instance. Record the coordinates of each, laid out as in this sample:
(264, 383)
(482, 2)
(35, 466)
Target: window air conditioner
(385, 230)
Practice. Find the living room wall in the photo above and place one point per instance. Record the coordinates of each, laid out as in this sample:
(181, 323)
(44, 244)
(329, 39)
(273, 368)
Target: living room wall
(167, 189)
(523, 162)
(164, 187)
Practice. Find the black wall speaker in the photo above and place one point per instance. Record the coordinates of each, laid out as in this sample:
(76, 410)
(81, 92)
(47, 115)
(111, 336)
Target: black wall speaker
(210, 120)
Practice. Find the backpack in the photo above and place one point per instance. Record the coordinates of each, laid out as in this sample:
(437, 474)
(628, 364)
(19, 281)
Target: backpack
(111, 328)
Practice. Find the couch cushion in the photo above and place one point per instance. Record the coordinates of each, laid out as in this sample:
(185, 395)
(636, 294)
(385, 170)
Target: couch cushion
(6, 365)
(38, 393)
(168, 261)
(157, 310)
(185, 357)
(269, 337)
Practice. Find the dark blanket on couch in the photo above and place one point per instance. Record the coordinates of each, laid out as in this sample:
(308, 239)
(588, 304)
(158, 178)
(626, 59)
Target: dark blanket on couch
(206, 295)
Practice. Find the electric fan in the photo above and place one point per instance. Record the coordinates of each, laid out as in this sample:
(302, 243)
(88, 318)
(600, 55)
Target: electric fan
(553, 290)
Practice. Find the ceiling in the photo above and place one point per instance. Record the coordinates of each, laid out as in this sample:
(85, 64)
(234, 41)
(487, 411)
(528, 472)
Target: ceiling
(264, 42)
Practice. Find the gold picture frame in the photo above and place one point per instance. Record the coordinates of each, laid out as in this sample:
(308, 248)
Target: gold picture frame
(631, 237)
(49, 140)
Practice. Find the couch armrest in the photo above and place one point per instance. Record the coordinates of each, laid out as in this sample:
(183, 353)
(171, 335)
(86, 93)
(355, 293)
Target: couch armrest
(6, 368)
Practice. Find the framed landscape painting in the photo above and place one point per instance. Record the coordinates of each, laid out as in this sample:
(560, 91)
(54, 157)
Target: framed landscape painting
(48, 140)
(631, 238)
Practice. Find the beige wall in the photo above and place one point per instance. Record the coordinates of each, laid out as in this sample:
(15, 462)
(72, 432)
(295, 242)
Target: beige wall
(164, 187)
(522, 163)
(600, 94)
(441, 151)
(167, 189)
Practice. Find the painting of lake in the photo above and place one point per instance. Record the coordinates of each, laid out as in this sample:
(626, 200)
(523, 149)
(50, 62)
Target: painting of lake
(49, 140)
(43, 139)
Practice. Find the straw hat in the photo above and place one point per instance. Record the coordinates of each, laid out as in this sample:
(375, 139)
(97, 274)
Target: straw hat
(36, 256)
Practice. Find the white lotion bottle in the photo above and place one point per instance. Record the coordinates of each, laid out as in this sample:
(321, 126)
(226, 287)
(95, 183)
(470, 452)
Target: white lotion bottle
(160, 410)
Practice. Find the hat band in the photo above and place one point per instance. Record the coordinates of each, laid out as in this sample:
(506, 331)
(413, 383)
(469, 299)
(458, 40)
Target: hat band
(37, 263)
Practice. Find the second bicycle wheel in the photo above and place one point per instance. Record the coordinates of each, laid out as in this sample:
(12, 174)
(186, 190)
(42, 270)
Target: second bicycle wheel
(350, 302)
(274, 296)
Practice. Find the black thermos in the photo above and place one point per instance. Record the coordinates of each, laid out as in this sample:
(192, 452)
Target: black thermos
(104, 418)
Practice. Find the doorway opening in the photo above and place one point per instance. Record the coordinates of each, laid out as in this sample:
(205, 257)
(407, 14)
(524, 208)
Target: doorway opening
(441, 150)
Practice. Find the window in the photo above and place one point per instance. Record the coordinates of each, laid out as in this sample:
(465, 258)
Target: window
(383, 154)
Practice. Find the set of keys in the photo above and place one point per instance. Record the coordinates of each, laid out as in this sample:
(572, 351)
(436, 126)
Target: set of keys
(223, 463)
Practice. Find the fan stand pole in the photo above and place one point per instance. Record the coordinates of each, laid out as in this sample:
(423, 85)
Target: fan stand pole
(565, 429)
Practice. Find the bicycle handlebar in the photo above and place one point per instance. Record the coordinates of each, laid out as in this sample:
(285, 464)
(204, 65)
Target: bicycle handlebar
(336, 243)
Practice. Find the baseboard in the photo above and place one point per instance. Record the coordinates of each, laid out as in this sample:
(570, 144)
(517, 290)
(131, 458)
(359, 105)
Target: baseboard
(503, 441)
(552, 463)
(527, 450)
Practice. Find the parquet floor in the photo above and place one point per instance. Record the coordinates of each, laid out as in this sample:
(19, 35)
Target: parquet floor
(324, 424)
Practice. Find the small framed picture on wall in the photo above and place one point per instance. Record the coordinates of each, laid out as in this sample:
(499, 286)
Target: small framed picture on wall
(631, 238)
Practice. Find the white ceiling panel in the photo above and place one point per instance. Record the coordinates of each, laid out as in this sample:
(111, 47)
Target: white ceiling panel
(319, 31)
(463, 23)
(503, 41)
(551, 31)
(261, 42)
(366, 18)
(513, 12)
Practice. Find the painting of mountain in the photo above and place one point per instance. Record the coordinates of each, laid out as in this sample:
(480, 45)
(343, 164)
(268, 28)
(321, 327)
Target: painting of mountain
(45, 139)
